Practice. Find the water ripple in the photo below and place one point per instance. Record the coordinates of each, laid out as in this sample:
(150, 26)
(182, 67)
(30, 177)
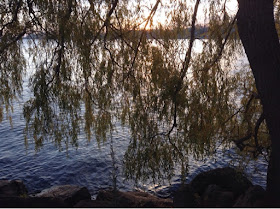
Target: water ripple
(91, 164)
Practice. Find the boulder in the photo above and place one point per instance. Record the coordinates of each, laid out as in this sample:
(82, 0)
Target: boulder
(215, 196)
(253, 197)
(228, 179)
(184, 197)
(131, 199)
(69, 194)
(31, 202)
(12, 188)
(94, 204)
(225, 200)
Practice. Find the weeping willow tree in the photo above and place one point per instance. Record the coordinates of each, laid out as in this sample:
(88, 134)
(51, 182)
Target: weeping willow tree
(99, 62)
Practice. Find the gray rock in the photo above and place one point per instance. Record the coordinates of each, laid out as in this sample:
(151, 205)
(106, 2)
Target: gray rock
(70, 194)
(13, 188)
(253, 197)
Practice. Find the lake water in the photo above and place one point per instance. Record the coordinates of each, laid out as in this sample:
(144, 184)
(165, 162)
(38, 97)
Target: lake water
(90, 165)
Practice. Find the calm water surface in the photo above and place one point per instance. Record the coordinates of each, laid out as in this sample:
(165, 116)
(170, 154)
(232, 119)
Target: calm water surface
(90, 165)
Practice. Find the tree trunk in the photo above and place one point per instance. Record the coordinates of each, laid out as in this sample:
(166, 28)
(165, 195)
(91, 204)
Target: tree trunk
(257, 32)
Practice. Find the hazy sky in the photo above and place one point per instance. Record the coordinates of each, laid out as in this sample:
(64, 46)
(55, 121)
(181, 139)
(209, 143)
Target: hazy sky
(231, 7)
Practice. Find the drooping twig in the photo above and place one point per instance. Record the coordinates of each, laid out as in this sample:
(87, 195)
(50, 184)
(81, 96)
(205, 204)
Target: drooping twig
(189, 51)
(240, 142)
(258, 123)
(180, 83)
(220, 52)
(186, 63)
(106, 21)
(15, 16)
(151, 15)
(14, 40)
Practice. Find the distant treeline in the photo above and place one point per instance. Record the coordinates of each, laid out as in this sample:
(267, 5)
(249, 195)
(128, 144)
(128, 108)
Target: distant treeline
(200, 33)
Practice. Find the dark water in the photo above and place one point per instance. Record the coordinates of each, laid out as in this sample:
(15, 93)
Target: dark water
(90, 165)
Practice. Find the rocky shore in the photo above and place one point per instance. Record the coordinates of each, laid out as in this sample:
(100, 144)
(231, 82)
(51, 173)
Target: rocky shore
(222, 187)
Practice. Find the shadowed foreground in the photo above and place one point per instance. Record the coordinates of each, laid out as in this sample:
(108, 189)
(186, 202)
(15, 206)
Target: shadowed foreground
(221, 187)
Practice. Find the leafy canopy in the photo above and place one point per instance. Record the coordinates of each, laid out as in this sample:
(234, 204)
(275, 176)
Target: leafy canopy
(99, 62)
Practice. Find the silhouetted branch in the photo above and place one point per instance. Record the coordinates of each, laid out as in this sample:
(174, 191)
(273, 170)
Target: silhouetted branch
(259, 122)
(220, 53)
(234, 114)
(176, 148)
(107, 20)
(36, 21)
(152, 13)
(189, 51)
(14, 18)
(14, 40)
(107, 49)
(240, 142)
(178, 87)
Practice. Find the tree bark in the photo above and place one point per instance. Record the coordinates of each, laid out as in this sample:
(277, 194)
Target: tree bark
(256, 27)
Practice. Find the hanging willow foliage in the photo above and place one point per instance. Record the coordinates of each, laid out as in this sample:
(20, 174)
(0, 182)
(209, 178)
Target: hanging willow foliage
(176, 84)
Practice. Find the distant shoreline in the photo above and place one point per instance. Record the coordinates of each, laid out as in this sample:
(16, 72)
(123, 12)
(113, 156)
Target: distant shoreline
(200, 33)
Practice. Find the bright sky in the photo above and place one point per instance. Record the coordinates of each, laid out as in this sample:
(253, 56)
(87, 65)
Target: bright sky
(232, 6)
(160, 17)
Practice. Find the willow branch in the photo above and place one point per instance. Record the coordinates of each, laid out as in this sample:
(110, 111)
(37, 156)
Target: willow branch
(258, 123)
(36, 21)
(120, 35)
(107, 20)
(107, 49)
(14, 40)
(239, 142)
(176, 148)
(234, 114)
(152, 13)
(186, 63)
(189, 51)
(249, 103)
(15, 16)
(224, 9)
(220, 52)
